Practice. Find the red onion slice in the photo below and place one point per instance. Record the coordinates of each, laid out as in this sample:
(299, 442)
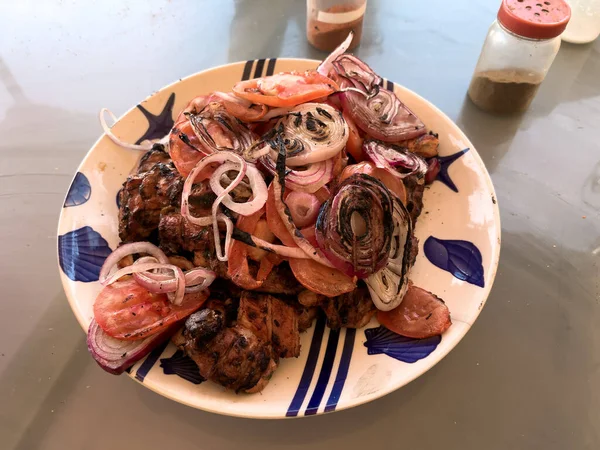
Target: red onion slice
(354, 227)
(107, 130)
(312, 132)
(388, 286)
(114, 355)
(218, 130)
(257, 184)
(327, 65)
(221, 157)
(130, 249)
(354, 72)
(304, 208)
(177, 284)
(284, 214)
(310, 180)
(396, 160)
(383, 116)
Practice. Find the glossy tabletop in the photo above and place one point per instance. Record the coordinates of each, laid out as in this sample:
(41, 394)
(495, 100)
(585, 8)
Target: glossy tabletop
(526, 376)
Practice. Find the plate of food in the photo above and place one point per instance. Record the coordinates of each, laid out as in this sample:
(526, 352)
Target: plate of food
(278, 238)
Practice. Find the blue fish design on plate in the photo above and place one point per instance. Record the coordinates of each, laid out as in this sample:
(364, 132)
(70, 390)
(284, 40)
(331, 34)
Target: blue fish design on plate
(182, 365)
(81, 254)
(408, 350)
(79, 192)
(461, 258)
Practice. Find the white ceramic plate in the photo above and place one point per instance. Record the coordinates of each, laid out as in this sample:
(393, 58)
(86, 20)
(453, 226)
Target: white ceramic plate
(459, 234)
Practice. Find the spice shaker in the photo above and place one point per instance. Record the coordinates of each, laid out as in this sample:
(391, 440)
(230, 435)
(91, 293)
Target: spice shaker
(517, 53)
(328, 22)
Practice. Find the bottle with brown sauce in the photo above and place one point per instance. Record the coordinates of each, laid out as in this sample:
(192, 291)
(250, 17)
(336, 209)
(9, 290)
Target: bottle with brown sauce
(517, 53)
(328, 22)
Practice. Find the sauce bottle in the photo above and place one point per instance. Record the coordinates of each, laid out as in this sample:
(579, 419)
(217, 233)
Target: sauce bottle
(328, 22)
(517, 53)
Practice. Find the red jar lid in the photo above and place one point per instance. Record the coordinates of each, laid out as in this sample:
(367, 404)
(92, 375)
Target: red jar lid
(535, 19)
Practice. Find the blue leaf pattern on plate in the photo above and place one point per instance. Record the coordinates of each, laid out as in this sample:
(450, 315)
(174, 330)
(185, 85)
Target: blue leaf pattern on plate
(79, 192)
(445, 163)
(81, 254)
(461, 258)
(182, 365)
(408, 350)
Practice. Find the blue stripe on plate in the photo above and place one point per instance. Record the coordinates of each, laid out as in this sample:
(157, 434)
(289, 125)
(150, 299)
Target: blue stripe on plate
(260, 64)
(390, 85)
(340, 379)
(247, 70)
(323, 380)
(309, 369)
(271, 66)
(150, 361)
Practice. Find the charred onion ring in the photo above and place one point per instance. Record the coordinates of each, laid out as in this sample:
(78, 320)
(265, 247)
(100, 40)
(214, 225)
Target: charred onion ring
(354, 227)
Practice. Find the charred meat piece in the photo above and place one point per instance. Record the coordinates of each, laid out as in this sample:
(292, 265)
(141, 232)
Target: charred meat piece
(306, 316)
(231, 356)
(142, 198)
(425, 145)
(282, 281)
(176, 235)
(271, 320)
(152, 157)
(414, 196)
(351, 310)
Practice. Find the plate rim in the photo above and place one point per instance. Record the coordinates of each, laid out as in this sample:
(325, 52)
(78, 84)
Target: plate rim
(353, 402)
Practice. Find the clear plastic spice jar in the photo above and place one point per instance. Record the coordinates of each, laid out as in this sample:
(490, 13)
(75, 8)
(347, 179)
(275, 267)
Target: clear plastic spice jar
(517, 53)
(328, 22)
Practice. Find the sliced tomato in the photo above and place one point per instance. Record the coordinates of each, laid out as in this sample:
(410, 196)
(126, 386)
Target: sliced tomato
(286, 88)
(393, 183)
(125, 310)
(238, 268)
(355, 140)
(420, 315)
(261, 231)
(321, 279)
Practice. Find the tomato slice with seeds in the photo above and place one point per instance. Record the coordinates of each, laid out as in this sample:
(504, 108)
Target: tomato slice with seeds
(127, 311)
(420, 315)
(286, 88)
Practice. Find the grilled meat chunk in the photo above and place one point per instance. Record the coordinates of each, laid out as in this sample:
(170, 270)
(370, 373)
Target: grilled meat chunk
(141, 199)
(351, 310)
(414, 195)
(282, 281)
(306, 316)
(271, 320)
(231, 356)
(152, 157)
(176, 235)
